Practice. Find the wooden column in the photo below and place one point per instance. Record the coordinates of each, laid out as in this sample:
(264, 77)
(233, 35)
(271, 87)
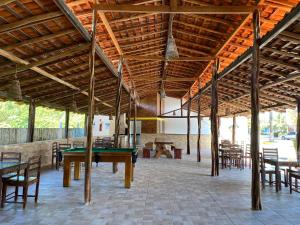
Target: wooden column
(118, 104)
(67, 120)
(188, 150)
(199, 124)
(85, 124)
(255, 187)
(31, 120)
(298, 129)
(181, 108)
(88, 156)
(128, 120)
(233, 128)
(214, 121)
(134, 125)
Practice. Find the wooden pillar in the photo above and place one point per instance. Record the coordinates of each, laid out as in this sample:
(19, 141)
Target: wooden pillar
(214, 121)
(128, 120)
(298, 129)
(181, 108)
(118, 104)
(188, 150)
(85, 124)
(271, 135)
(255, 187)
(88, 156)
(31, 120)
(134, 125)
(67, 120)
(233, 128)
(199, 124)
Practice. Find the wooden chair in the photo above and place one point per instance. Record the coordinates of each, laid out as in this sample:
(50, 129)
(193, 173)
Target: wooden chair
(30, 175)
(10, 157)
(294, 186)
(247, 156)
(270, 153)
(54, 155)
(98, 143)
(78, 144)
(234, 157)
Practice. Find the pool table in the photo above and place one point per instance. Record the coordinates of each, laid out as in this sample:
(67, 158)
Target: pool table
(114, 155)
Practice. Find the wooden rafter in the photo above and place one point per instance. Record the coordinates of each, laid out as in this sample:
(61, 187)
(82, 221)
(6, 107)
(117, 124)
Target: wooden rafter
(178, 10)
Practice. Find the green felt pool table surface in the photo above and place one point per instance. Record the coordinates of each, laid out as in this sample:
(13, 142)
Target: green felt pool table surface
(100, 150)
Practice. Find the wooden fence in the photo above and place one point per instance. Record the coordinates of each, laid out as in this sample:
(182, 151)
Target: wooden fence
(19, 135)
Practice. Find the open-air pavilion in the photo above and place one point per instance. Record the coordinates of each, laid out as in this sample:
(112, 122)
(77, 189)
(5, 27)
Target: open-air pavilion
(125, 60)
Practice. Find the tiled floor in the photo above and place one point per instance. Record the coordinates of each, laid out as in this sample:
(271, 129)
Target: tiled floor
(164, 192)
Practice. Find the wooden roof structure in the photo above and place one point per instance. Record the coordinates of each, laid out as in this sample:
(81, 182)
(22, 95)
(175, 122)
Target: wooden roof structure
(46, 46)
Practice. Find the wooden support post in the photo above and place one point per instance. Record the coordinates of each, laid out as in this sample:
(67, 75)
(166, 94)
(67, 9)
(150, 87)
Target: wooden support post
(199, 125)
(118, 111)
(118, 104)
(31, 121)
(188, 150)
(271, 134)
(134, 125)
(298, 129)
(67, 120)
(128, 120)
(214, 121)
(85, 124)
(88, 156)
(233, 128)
(181, 107)
(255, 187)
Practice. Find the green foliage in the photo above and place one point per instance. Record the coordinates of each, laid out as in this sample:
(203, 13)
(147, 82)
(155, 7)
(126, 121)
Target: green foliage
(15, 115)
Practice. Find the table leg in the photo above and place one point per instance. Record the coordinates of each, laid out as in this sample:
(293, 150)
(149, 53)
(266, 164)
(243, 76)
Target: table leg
(277, 177)
(222, 158)
(263, 175)
(115, 167)
(67, 173)
(128, 167)
(132, 171)
(77, 170)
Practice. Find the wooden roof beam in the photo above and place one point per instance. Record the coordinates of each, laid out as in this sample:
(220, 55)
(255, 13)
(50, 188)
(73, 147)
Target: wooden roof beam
(160, 58)
(23, 67)
(29, 21)
(18, 60)
(38, 39)
(126, 8)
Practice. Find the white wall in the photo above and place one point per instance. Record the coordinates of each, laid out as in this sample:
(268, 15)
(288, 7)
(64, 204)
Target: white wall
(179, 125)
(107, 125)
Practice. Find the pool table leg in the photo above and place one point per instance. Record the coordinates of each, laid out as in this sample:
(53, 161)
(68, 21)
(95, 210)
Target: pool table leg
(67, 173)
(132, 171)
(128, 167)
(115, 167)
(76, 170)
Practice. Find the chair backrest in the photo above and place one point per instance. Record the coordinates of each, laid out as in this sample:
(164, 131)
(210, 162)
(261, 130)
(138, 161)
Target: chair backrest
(270, 153)
(149, 145)
(78, 144)
(33, 167)
(54, 147)
(10, 157)
(248, 149)
(64, 146)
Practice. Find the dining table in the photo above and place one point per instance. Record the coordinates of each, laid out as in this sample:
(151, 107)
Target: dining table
(161, 147)
(281, 162)
(8, 168)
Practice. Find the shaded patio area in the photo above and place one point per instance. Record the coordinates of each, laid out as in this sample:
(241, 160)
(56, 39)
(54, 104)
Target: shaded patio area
(163, 192)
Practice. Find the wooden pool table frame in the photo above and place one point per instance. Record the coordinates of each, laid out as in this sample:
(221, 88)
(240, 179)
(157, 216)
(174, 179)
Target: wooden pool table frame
(114, 157)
